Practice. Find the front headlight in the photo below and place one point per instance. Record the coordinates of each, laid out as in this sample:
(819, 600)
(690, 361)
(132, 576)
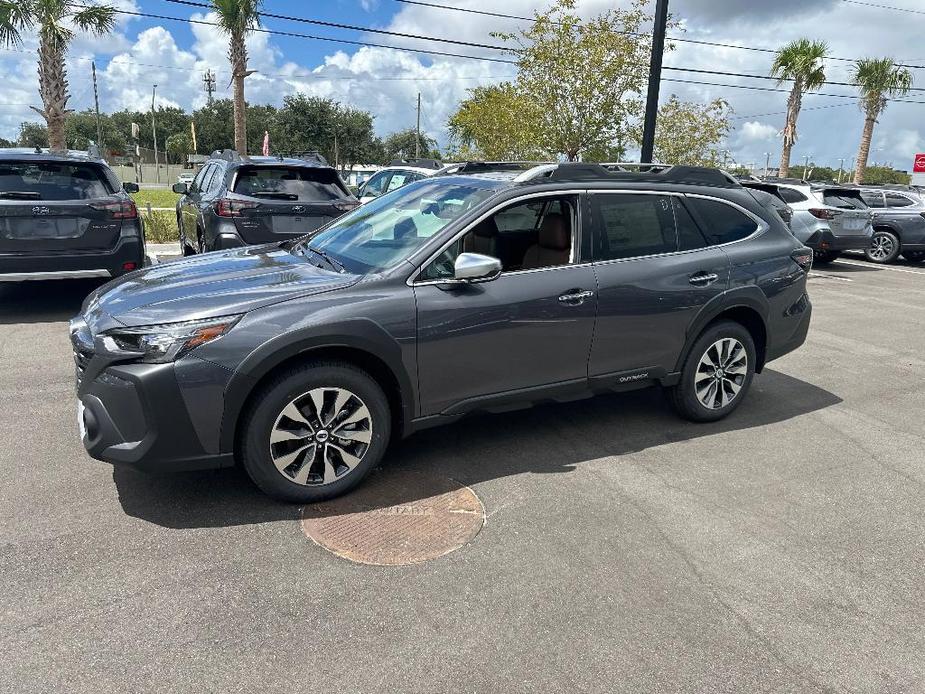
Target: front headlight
(159, 344)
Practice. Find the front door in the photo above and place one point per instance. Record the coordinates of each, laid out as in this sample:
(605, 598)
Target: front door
(531, 327)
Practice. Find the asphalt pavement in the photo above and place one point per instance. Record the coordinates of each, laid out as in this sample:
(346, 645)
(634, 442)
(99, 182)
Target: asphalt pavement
(624, 550)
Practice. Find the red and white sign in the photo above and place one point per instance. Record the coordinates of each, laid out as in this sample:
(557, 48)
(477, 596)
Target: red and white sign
(919, 165)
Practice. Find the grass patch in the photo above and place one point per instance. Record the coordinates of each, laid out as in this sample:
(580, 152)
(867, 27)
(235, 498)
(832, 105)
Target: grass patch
(158, 197)
(160, 227)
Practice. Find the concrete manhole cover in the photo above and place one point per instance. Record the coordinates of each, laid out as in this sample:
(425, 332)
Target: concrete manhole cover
(396, 517)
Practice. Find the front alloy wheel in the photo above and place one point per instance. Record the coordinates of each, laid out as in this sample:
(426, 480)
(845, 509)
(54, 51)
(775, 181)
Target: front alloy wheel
(321, 436)
(884, 247)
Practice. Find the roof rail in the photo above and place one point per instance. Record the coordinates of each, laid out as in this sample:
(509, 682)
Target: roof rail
(226, 154)
(792, 181)
(312, 155)
(663, 173)
(420, 163)
(471, 167)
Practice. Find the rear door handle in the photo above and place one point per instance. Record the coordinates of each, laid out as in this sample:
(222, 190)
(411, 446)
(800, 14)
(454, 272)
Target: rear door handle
(702, 279)
(576, 297)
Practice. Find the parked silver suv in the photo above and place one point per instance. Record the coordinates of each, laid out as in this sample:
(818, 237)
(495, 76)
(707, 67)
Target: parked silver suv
(828, 219)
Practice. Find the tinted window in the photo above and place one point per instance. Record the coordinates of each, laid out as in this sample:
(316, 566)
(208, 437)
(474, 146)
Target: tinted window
(200, 177)
(53, 181)
(633, 225)
(689, 236)
(872, 199)
(844, 199)
(894, 200)
(399, 178)
(723, 223)
(791, 195)
(289, 183)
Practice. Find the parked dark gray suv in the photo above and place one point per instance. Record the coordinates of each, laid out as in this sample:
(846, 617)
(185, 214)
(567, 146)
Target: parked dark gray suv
(301, 360)
(239, 200)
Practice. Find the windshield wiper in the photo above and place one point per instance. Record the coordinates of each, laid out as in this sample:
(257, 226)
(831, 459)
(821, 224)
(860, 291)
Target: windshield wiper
(25, 194)
(336, 264)
(274, 194)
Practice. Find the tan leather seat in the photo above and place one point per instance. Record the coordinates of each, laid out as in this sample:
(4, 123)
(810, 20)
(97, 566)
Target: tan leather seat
(553, 245)
(483, 239)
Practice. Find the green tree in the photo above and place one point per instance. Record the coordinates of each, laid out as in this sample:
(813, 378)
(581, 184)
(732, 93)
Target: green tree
(215, 125)
(401, 145)
(57, 22)
(80, 131)
(882, 175)
(179, 145)
(6, 143)
(237, 18)
(583, 77)
(307, 123)
(802, 62)
(496, 122)
(32, 135)
(877, 79)
(689, 133)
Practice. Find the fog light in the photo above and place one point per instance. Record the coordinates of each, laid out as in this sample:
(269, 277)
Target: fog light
(129, 266)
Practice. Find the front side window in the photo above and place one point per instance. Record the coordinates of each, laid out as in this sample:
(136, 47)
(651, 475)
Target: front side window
(376, 185)
(631, 225)
(385, 231)
(872, 199)
(723, 223)
(399, 178)
(199, 181)
(896, 200)
(24, 180)
(529, 235)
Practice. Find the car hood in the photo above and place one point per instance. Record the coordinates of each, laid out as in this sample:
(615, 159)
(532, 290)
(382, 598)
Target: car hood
(215, 284)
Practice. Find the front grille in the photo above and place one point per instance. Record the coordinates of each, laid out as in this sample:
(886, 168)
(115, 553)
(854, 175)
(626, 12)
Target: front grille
(82, 359)
(82, 342)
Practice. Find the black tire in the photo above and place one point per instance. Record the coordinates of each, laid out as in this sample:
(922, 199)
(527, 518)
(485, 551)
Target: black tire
(884, 247)
(825, 256)
(914, 256)
(266, 411)
(683, 396)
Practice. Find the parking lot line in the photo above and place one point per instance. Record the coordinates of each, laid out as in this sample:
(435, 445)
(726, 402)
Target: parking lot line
(872, 266)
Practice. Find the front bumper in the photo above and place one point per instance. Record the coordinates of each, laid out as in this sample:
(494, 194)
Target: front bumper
(152, 417)
(74, 265)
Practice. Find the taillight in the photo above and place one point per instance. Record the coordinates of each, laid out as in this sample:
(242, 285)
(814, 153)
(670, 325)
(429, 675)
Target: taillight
(232, 208)
(124, 209)
(822, 213)
(804, 258)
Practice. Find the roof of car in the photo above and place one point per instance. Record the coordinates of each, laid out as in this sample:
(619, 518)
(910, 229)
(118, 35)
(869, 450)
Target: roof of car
(309, 159)
(46, 154)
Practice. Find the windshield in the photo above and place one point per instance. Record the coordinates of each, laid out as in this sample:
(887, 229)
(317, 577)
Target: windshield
(382, 233)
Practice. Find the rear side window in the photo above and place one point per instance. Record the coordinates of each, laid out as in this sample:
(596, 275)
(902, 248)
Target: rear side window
(53, 181)
(894, 200)
(791, 195)
(872, 199)
(633, 225)
(689, 236)
(843, 199)
(723, 223)
(289, 183)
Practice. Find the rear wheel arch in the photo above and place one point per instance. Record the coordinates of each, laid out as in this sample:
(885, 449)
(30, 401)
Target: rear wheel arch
(745, 312)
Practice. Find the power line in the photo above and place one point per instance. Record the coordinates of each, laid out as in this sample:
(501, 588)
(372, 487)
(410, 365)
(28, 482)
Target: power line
(679, 39)
(784, 113)
(884, 7)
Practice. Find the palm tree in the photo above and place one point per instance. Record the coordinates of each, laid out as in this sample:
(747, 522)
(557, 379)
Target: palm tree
(237, 18)
(56, 21)
(802, 62)
(876, 79)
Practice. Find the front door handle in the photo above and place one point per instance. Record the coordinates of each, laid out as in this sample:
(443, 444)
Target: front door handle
(702, 279)
(575, 297)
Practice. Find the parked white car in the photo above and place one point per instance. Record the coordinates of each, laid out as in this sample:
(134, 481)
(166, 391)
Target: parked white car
(397, 174)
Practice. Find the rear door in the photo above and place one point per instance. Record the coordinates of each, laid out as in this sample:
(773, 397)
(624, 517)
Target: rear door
(56, 207)
(279, 202)
(655, 272)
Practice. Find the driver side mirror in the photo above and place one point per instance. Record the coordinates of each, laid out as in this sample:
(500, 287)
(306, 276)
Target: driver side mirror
(130, 187)
(180, 188)
(470, 268)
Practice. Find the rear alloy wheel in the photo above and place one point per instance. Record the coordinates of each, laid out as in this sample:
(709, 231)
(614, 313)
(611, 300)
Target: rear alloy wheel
(717, 373)
(315, 432)
(884, 247)
(914, 256)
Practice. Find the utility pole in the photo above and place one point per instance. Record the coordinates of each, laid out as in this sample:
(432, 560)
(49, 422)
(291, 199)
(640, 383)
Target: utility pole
(841, 166)
(806, 163)
(655, 77)
(417, 130)
(157, 170)
(208, 82)
(96, 100)
(767, 164)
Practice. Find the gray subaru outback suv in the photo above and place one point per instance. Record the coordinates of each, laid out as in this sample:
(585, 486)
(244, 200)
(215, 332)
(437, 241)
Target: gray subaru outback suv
(300, 360)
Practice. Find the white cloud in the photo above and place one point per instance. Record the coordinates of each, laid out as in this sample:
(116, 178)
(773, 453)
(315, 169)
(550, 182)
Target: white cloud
(754, 131)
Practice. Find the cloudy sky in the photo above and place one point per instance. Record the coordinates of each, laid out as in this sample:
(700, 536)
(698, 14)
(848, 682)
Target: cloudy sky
(175, 53)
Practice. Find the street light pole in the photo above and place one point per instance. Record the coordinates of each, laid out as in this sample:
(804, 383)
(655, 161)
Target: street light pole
(841, 166)
(157, 171)
(767, 164)
(655, 77)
